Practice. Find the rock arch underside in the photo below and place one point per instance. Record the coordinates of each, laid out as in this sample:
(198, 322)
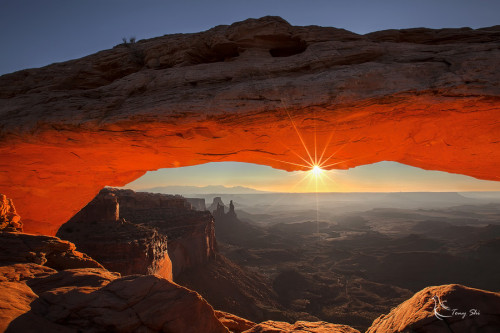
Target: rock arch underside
(422, 97)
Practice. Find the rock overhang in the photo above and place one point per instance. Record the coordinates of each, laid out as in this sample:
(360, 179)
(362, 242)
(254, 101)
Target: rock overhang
(244, 92)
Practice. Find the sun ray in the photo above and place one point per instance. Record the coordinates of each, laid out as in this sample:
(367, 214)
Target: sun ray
(294, 152)
(299, 135)
(297, 164)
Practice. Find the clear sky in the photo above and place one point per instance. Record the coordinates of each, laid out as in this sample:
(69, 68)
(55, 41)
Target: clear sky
(35, 33)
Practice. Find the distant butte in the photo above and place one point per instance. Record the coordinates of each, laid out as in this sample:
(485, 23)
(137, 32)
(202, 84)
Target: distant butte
(423, 97)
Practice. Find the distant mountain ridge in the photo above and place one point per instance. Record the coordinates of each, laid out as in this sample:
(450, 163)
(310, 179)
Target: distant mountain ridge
(210, 189)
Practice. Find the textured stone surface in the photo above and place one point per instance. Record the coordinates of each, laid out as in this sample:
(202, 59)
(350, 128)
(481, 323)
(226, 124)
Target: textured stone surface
(42, 250)
(9, 219)
(300, 327)
(191, 234)
(128, 304)
(234, 323)
(36, 298)
(427, 98)
(117, 244)
(470, 310)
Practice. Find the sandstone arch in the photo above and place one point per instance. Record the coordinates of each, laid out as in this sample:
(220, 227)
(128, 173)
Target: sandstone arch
(427, 98)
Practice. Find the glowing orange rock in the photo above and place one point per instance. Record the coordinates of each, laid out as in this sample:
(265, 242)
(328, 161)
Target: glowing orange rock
(427, 98)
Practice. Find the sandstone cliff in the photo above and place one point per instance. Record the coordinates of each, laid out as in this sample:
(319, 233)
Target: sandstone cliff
(119, 245)
(127, 232)
(423, 97)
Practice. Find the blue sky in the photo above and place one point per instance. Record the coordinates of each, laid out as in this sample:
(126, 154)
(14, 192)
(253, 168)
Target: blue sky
(35, 33)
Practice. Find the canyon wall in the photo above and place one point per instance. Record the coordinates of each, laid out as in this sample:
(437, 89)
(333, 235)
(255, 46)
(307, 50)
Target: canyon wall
(256, 91)
(142, 233)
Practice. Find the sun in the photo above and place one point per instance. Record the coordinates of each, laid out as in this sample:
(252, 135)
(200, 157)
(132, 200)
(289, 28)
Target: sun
(316, 171)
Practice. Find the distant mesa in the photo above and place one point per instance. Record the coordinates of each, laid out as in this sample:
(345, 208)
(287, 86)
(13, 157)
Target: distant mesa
(210, 189)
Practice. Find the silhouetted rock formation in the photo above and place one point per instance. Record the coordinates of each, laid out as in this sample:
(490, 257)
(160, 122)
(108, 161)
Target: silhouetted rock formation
(229, 229)
(9, 219)
(217, 206)
(231, 213)
(448, 308)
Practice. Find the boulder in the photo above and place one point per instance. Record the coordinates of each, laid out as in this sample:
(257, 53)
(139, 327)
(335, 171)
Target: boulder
(454, 308)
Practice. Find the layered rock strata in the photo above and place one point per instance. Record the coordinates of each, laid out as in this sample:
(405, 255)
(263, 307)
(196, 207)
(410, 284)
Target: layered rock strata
(127, 232)
(117, 244)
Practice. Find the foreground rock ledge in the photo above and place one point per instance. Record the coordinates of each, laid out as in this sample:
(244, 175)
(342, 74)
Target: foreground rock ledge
(427, 98)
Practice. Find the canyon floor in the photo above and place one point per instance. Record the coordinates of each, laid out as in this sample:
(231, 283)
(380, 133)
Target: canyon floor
(357, 261)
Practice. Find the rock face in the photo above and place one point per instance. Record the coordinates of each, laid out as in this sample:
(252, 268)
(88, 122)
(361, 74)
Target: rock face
(423, 97)
(42, 250)
(117, 244)
(127, 232)
(9, 219)
(453, 308)
(95, 300)
(234, 323)
(191, 233)
(128, 304)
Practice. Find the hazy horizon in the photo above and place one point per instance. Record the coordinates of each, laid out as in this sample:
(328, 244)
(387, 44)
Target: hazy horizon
(383, 177)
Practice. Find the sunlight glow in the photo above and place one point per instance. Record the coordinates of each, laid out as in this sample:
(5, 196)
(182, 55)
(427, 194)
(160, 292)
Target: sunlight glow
(316, 171)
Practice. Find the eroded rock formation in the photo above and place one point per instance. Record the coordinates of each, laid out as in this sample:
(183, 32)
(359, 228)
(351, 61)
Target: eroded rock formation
(95, 300)
(119, 245)
(9, 219)
(427, 98)
(142, 233)
(42, 250)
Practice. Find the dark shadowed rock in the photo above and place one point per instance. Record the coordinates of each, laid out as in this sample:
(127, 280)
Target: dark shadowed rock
(300, 327)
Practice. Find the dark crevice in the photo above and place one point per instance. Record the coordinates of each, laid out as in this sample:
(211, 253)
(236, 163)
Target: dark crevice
(296, 46)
